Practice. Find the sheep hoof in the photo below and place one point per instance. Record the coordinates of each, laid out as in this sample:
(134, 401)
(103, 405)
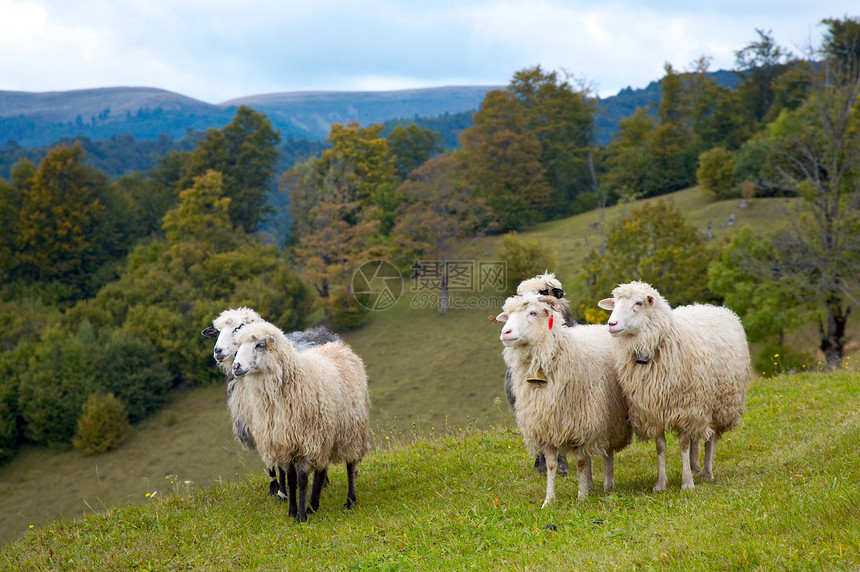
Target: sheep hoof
(659, 486)
(301, 517)
(707, 476)
(273, 488)
(547, 502)
(687, 486)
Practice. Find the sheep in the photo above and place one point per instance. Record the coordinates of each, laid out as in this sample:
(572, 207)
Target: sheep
(221, 330)
(310, 408)
(546, 285)
(684, 370)
(579, 407)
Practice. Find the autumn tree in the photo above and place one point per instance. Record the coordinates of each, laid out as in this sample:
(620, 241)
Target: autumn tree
(504, 161)
(342, 204)
(561, 118)
(439, 208)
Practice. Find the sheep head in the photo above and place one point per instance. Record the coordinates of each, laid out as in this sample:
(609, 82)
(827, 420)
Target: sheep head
(543, 284)
(253, 342)
(528, 319)
(631, 306)
(224, 327)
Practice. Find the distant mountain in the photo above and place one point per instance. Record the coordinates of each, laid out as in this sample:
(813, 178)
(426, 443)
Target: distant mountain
(36, 119)
(33, 119)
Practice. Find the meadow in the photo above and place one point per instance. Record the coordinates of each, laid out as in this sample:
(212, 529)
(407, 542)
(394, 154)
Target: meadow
(445, 443)
(786, 496)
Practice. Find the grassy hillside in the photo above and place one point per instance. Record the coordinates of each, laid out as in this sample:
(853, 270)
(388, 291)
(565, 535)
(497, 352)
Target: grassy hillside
(786, 496)
(430, 375)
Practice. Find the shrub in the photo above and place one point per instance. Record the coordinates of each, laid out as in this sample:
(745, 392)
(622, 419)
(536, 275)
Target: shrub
(129, 367)
(102, 425)
(715, 173)
(57, 381)
(525, 258)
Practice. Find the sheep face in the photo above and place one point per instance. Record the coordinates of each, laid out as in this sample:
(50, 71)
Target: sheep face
(629, 312)
(249, 355)
(225, 347)
(527, 319)
(225, 326)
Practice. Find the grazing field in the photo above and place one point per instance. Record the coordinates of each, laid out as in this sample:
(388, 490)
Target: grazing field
(430, 376)
(786, 496)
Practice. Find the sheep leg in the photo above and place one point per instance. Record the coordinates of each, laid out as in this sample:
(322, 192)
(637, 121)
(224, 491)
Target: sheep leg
(694, 456)
(320, 478)
(660, 485)
(551, 457)
(710, 451)
(291, 489)
(589, 473)
(609, 471)
(273, 481)
(302, 482)
(540, 464)
(583, 473)
(351, 473)
(562, 464)
(686, 471)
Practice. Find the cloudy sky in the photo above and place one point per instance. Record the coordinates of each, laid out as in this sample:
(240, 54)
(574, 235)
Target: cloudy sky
(215, 50)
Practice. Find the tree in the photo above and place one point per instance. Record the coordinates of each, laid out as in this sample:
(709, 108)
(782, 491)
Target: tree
(439, 208)
(750, 275)
(653, 244)
(562, 120)
(200, 225)
(816, 152)
(631, 170)
(245, 152)
(716, 172)
(758, 65)
(504, 161)
(60, 212)
(342, 204)
(411, 146)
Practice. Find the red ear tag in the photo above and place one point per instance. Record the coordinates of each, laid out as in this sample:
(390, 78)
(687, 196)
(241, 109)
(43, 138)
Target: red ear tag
(550, 321)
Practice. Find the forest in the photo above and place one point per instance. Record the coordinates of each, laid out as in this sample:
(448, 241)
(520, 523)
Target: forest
(106, 279)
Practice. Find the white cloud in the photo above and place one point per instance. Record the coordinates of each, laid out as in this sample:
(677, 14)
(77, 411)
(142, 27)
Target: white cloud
(220, 49)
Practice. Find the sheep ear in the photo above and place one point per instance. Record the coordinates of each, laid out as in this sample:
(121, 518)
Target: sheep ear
(607, 304)
(650, 300)
(210, 332)
(502, 318)
(558, 293)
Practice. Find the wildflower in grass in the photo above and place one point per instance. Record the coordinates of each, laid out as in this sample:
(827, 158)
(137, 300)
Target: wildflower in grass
(31, 526)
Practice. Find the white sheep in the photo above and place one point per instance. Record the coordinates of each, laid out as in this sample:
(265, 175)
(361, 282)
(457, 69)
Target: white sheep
(684, 370)
(545, 285)
(222, 329)
(310, 408)
(580, 407)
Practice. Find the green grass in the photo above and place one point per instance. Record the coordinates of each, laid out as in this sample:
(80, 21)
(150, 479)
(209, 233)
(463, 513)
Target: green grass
(429, 376)
(786, 496)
